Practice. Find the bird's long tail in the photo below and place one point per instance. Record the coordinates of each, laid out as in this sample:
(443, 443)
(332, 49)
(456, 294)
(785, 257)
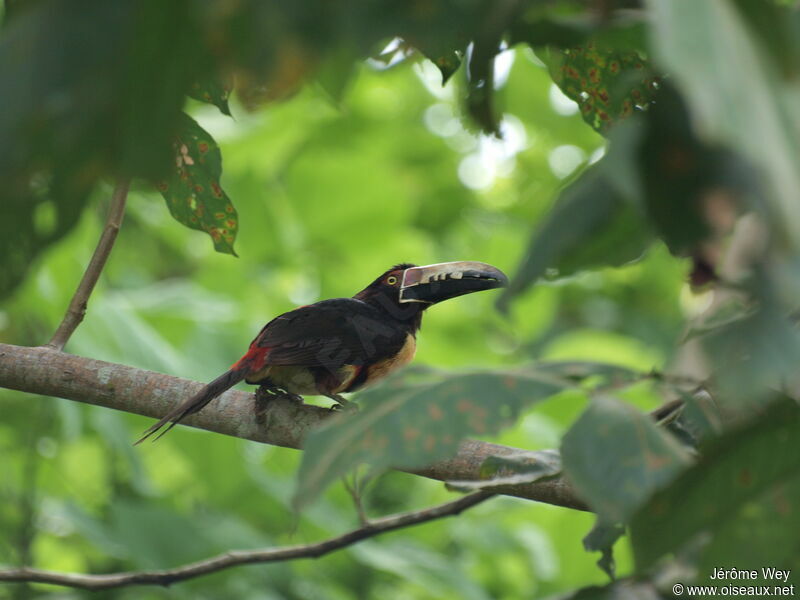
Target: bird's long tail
(191, 405)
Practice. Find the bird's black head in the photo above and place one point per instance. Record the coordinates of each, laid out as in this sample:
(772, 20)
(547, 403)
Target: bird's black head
(406, 290)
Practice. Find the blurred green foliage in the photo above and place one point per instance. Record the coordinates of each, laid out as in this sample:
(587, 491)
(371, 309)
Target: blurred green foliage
(363, 164)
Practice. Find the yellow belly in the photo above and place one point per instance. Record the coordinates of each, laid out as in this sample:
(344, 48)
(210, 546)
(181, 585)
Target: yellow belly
(383, 368)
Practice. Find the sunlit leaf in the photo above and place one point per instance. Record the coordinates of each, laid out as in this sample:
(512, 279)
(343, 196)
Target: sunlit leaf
(608, 84)
(193, 192)
(747, 477)
(616, 458)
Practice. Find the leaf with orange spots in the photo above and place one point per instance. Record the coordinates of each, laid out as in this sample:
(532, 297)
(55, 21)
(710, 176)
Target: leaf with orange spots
(740, 497)
(607, 83)
(616, 457)
(193, 192)
(213, 91)
(412, 424)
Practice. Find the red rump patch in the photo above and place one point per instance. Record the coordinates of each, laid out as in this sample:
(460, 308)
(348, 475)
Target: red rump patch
(254, 360)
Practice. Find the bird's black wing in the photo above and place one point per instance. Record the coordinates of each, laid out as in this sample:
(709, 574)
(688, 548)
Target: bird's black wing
(329, 334)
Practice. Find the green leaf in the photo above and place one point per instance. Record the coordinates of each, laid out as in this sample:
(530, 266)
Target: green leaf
(591, 225)
(512, 469)
(213, 91)
(602, 538)
(480, 99)
(607, 84)
(408, 426)
(616, 457)
(193, 192)
(736, 94)
(747, 477)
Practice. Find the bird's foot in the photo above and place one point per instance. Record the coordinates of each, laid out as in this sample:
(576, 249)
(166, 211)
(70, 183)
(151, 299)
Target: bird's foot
(266, 393)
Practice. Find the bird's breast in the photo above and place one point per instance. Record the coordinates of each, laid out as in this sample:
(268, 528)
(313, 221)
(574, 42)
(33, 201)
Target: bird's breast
(382, 368)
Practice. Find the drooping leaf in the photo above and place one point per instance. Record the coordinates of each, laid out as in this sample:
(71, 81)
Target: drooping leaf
(512, 469)
(413, 425)
(692, 190)
(193, 192)
(480, 99)
(213, 91)
(745, 478)
(616, 458)
(592, 224)
(80, 103)
(741, 102)
(602, 538)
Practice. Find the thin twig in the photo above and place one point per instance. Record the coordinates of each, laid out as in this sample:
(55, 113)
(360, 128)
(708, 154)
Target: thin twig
(356, 491)
(77, 307)
(244, 557)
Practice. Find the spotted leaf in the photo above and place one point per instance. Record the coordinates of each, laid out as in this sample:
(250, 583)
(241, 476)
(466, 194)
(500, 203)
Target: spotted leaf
(608, 84)
(741, 497)
(412, 425)
(617, 457)
(213, 91)
(193, 191)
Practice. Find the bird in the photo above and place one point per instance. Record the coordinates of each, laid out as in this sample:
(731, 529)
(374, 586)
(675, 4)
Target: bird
(342, 345)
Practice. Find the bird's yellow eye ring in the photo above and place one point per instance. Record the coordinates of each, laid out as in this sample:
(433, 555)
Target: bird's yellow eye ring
(391, 280)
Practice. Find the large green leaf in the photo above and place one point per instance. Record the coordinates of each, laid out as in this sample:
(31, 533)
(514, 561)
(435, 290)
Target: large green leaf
(737, 94)
(741, 494)
(193, 191)
(82, 101)
(617, 457)
(409, 426)
(593, 224)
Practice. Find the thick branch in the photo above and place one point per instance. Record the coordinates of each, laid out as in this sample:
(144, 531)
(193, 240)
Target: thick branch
(77, 307)
(48, 372)
(244, 557)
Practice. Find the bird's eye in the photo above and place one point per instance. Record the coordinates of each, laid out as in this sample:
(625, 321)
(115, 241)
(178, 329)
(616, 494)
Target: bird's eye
(391, 280)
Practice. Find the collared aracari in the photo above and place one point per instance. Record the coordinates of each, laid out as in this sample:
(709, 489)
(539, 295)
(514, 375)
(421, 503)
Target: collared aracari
(344, 344)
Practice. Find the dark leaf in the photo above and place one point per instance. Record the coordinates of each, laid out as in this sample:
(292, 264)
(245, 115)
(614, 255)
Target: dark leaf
(213, 91)
(591, 225)
(193, 192)
(741, 494)
(480, 86)
(601, 539)
(616, 458)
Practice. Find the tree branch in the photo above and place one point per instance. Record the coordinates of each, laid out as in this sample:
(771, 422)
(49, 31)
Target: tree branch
(284, 423)
(77, 307)
(236, 558)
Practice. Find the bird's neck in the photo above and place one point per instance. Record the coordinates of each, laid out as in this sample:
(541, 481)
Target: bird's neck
(407, 316)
